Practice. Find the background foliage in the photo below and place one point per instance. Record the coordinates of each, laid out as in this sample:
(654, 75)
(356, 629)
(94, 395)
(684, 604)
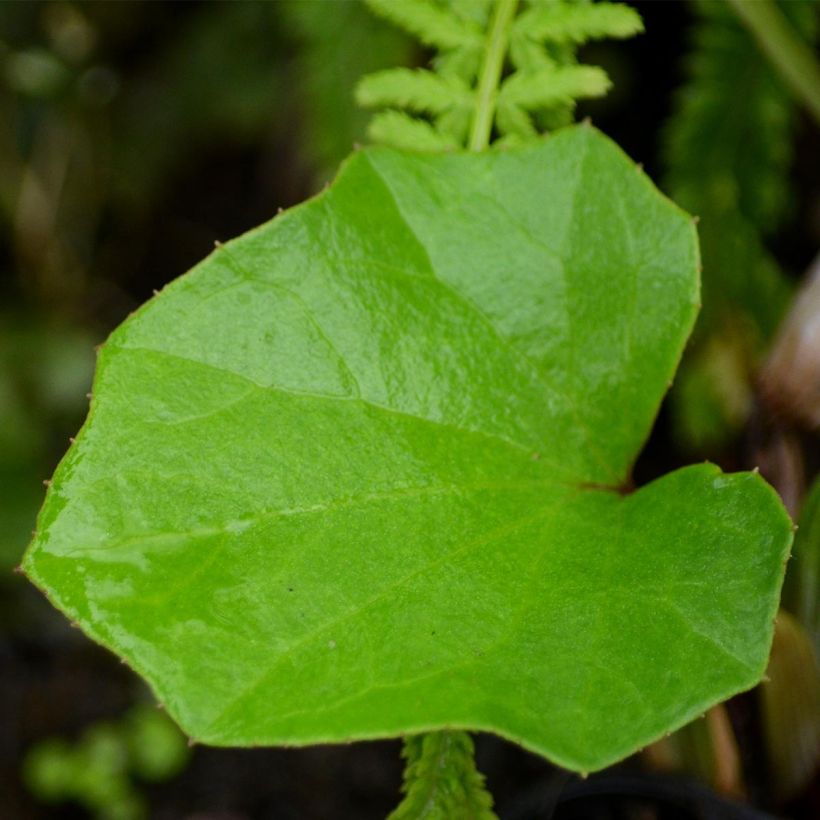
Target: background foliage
(132, 135)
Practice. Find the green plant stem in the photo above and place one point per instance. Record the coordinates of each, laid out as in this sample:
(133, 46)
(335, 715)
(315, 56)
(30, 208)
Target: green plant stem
(441, 780)
(491, 69)
(789, 55)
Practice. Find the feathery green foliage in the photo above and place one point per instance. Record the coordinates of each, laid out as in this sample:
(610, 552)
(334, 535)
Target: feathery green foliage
(416, 90)
(578, 22)
(728, 155)
(497, 75)
(441, 781)
(801, 593)
(403, 131)
(730, 138)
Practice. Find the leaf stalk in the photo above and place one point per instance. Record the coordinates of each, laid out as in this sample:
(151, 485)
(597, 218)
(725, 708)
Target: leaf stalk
(496, 50)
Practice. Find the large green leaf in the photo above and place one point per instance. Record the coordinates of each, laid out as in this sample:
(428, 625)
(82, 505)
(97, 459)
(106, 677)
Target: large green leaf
(362, 471)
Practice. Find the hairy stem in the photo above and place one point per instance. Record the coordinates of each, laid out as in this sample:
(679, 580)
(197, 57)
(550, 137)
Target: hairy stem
(490, 76)
(441, 781)
(789, 55)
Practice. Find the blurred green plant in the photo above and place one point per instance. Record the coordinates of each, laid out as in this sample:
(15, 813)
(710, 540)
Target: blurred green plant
(790, 708)
(45, 372)
(791, 699)
(801, 592)
(101, 770)
(728, 152)
(91, 140)
(786, 50)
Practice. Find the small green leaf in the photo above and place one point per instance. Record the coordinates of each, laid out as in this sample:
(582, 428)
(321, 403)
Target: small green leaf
(462, 63)
(49, 770)
(513, 120)
(157, 750)
(527, 55)
(454, 125)
(579, 23)
(554, 86)
(400, 130)
(361, 472)
(414, 89)
(441, 781)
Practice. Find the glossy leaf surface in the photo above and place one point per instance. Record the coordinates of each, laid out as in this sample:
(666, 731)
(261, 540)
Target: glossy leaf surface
(357, 473)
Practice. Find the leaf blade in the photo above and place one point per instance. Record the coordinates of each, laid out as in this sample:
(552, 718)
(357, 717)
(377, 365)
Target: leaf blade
(388, 439)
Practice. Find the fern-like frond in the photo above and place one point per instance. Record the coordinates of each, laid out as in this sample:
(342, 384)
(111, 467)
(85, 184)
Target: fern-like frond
(463, 63)
(403, 131)
(527, 54)
(476, 11)
(414, 89)
(441, 781)
(728, 151)
(496, 77)
(734, 119)
(578, 22)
